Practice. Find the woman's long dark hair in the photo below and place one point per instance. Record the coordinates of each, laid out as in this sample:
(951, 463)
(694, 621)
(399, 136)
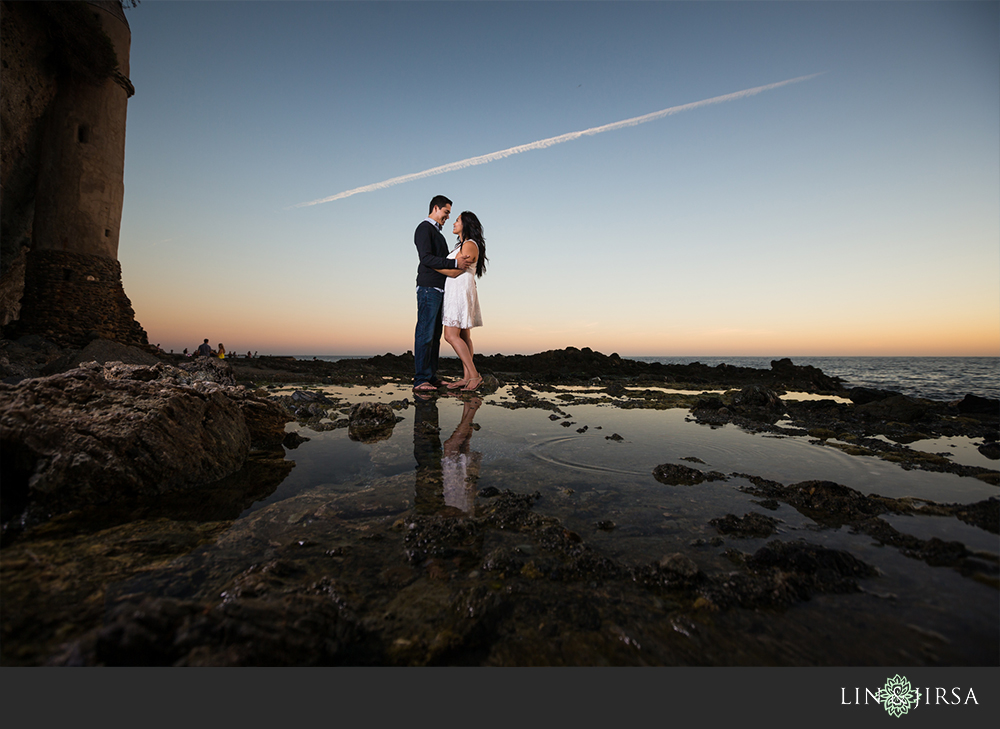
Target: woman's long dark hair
(472, 229)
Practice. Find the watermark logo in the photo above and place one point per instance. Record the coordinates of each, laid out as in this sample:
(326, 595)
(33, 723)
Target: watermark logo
(898, 697)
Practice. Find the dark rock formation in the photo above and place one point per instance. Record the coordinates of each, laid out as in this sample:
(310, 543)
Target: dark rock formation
(897, 408)
(103, 434)
(750, 525)
(971, 404)
(865, 395)
(675, 475)
(101, 351)
(371, 422)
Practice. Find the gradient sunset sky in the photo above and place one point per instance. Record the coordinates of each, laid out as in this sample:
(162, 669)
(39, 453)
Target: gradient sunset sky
(855, 211)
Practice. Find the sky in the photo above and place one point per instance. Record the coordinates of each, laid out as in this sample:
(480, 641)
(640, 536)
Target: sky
(853, 211)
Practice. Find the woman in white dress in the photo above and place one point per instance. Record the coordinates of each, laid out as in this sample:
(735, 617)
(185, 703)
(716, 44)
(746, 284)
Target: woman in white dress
(460, 312)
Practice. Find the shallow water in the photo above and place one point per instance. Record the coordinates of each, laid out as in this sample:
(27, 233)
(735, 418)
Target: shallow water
(602, 488)
(586, 478)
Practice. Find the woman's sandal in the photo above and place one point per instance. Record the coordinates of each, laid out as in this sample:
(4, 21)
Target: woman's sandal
(456, 384)
(473, 389)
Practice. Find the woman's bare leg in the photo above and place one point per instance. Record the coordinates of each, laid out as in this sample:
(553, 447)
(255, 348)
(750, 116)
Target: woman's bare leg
(467, 336)
(465, 367)
(454, 337)
(473, 376)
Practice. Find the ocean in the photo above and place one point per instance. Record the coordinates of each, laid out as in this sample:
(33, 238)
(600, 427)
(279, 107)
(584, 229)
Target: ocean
(934, 378)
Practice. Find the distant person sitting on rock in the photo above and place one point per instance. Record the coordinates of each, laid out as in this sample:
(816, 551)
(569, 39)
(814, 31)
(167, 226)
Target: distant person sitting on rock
(204, 350)
(222, 351)
(186, 352)
(249, 356)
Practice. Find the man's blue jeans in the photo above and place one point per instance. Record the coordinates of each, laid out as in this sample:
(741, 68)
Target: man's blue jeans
(427, 336)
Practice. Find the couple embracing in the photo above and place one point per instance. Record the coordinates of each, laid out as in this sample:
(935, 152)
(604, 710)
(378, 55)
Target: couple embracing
(446, 295)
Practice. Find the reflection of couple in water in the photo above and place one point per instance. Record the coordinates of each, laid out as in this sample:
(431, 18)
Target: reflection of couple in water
(446, 476)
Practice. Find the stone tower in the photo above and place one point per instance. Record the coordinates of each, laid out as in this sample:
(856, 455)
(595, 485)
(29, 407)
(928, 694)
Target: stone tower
(73, 289)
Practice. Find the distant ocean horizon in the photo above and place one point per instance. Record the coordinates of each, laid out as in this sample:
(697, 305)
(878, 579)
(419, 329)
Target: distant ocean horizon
(934, 378)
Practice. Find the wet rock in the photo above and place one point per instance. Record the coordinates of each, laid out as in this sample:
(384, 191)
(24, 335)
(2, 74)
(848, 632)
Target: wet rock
(865, 395)
(750, 525)
(935, 552)
(782, 573)
(606, 525)
(615, 389)
(675, 475)
(973, 404)
(710, 403)
(442, 538)
(293, 440)
(504, 561)
(826, 502)
(489, 385)
(828, 570)
(509, 510)
(265, 420)
(371, 422)
(834, 505)
(615, 437)
(898, 408)
(525, 398)
(821, 433)
(97, 435)
(990, 450)
(680, 566)
(982, 514)
(758, 397)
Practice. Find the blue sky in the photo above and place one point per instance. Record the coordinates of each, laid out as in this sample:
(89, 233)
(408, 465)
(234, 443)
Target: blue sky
(856, 212)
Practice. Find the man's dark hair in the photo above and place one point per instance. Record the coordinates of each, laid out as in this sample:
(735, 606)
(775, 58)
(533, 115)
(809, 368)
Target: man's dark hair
(438, 201)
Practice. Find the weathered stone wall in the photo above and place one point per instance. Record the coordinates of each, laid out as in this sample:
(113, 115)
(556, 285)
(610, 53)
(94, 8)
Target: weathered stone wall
(73, 298)
(81, 168)
(65, 94)
(29, 85)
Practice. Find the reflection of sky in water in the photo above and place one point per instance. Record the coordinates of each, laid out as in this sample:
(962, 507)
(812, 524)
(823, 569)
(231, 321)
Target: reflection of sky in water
(958, 449)
(587, 480)
(528, 439)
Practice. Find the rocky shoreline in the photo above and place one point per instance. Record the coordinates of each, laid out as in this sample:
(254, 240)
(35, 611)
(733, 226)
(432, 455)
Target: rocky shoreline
(121, 465)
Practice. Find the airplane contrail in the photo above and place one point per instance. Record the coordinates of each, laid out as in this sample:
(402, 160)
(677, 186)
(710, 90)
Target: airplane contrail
(551, 141)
